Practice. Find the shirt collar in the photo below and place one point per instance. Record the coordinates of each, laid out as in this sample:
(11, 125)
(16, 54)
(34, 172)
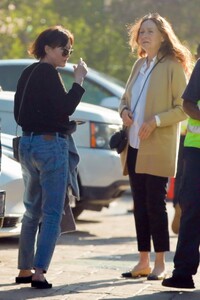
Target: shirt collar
(144, 66)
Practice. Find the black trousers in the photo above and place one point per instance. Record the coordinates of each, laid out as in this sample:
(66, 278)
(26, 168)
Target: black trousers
(149, 193)
(186, 259)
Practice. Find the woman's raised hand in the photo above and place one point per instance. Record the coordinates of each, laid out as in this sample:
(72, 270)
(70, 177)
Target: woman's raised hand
(80, 71)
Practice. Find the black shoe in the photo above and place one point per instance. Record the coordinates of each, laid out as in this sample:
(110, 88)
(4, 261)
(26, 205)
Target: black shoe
(27, 279)
(137, 274)
(152, 276)
(179, 282)
(41, 284)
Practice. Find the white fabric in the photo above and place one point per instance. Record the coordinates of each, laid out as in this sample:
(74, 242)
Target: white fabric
(157, 120)
(138, 114)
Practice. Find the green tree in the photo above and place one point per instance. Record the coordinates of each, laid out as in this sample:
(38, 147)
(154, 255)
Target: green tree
(99, 27)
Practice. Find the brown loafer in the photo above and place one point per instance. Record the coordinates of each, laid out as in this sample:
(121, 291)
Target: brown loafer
(137, 274)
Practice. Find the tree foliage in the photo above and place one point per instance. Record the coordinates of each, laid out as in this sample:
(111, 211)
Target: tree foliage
(99, 27)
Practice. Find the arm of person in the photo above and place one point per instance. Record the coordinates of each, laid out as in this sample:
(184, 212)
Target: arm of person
(178, 83)
(191, 109)
(147, 128)
(80, 71)
(191, 94)
(61, 101)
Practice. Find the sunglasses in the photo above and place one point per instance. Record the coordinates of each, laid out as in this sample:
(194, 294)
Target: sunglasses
(66, 52)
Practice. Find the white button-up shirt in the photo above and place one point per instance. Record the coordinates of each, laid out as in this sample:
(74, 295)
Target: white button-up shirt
(138, 110)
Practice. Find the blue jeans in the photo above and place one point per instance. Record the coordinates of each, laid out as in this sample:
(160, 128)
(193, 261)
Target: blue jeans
(44, 161)
(186, 259)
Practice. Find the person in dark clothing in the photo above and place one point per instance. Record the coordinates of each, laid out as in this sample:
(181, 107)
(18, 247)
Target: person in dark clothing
(186, 259)
(177, 210)
(42, 107)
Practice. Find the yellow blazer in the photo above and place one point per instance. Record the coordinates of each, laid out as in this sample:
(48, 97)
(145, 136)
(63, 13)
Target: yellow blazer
(158, 154)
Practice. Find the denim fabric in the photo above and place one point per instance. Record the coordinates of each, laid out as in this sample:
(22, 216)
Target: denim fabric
(186, 259)
(45, 162)
(68, 222)
(149, 193)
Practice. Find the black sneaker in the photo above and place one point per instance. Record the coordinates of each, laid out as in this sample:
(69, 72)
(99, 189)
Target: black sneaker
(179, 282)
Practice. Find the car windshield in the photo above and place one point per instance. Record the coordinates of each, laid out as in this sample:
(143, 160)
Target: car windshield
(110, 78)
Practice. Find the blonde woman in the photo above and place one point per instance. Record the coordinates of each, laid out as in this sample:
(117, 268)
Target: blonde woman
(151, 108)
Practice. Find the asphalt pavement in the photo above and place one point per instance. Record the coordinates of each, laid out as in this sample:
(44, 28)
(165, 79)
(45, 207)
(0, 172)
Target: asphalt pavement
(88, 263)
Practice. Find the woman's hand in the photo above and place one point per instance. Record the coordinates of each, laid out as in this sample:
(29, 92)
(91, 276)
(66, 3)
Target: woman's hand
(147, 128)
(127, 117)
(80, 71)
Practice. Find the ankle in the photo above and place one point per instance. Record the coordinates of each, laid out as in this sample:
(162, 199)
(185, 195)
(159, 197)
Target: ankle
(25, 273)
(144, 256)
(39, 275)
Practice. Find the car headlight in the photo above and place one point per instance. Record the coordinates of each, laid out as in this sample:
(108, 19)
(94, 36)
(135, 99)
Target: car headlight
(100, 134)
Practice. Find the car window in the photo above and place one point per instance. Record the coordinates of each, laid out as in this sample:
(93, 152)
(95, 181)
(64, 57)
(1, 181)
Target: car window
(94, 93)
(9, 76)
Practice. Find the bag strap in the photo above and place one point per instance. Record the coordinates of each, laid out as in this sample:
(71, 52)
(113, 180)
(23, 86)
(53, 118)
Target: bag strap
(145, 83)
(23, 94)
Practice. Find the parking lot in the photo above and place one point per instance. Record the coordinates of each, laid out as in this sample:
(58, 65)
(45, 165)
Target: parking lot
(87, 263)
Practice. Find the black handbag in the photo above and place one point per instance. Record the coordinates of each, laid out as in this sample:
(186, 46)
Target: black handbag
(119, 140)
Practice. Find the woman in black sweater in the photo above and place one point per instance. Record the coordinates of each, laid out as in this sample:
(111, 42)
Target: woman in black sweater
(42, 108)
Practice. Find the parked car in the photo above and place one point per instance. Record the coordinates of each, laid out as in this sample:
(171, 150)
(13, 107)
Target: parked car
(11, 182)
(101, 89)
(99, 171)
(2, 193)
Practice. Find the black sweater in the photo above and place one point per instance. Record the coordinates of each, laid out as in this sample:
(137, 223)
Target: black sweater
(47, 105)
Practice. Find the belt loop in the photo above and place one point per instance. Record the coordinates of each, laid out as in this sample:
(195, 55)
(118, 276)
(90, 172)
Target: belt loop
(57, 136)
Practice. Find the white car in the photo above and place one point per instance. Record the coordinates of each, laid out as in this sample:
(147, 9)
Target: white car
(101, 89)
(11, 182)
(99, 171)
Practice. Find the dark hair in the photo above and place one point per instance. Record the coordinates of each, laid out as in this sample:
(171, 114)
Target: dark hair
(56, 36)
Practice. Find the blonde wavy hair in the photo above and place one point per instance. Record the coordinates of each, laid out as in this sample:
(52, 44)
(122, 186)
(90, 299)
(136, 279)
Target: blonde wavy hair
(171, 45)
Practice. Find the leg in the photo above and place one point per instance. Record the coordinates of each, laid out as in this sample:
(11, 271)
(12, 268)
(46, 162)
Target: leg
(186, 259)
(30, 221)
(53, 179)
(158, 220)
(137, 183)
